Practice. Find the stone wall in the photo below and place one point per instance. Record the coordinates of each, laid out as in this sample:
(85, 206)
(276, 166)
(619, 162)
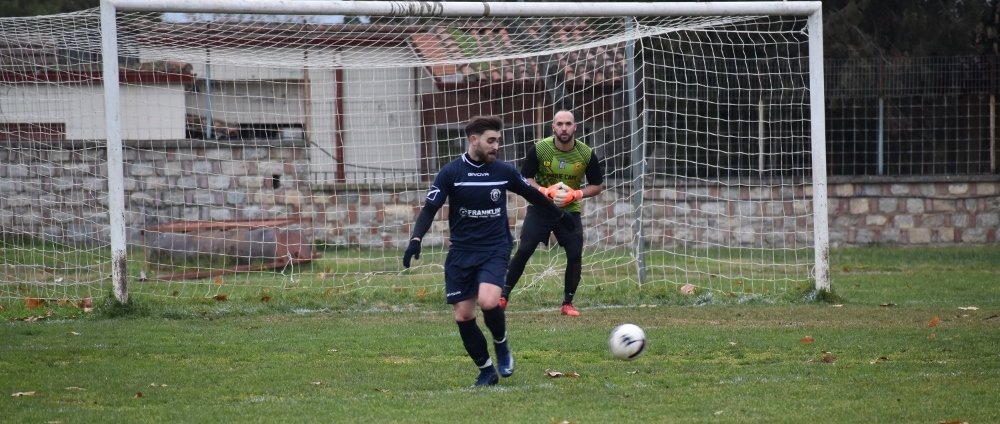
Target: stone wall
(58, 195)
(915, 211)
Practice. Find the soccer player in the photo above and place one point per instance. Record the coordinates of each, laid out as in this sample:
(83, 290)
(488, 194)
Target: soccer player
(557, 163)
(476, 186)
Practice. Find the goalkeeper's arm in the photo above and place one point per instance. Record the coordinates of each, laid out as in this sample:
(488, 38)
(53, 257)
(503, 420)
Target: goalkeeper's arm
(535, 197)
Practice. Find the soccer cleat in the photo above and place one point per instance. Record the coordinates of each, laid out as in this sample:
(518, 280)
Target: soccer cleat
(503, 302)
(487, 376)
(569, 310)
(505, 359)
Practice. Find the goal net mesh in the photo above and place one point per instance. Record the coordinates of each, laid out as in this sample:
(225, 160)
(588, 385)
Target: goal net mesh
(266, 154)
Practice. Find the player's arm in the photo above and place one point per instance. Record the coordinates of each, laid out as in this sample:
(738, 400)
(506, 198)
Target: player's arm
(595, 177)
(424, 220)
(536, 198)
(435, 199)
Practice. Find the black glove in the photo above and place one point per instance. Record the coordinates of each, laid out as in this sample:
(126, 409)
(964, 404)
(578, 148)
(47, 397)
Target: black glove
(568, 223)
(412, 251)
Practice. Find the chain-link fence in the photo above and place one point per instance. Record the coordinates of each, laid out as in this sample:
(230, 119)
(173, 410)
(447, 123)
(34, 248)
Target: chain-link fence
(912, 116)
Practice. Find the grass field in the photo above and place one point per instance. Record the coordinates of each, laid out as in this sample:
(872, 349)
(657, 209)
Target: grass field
(910, 336)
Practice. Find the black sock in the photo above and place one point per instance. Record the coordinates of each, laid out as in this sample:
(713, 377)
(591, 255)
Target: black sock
(516, 268)
(497, 323)
(475, 342)
(572, 279)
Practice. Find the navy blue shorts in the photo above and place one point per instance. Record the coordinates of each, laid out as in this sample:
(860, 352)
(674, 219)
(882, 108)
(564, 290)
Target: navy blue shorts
(465, 269)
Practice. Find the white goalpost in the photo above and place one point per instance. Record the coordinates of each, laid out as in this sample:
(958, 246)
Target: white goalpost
(178, 148)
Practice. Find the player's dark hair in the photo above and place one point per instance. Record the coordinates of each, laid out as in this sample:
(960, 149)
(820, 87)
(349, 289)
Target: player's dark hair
(481, 124)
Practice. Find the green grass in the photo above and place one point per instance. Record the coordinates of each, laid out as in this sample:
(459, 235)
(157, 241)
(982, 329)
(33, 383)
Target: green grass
(875, 356)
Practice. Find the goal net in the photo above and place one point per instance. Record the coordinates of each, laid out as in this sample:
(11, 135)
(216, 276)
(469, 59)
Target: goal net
(247, 149)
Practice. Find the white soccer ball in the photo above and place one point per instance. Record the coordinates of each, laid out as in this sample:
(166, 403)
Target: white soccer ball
(627, 341)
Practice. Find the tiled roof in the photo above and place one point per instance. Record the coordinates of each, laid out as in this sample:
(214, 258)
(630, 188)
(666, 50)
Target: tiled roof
(587, 65)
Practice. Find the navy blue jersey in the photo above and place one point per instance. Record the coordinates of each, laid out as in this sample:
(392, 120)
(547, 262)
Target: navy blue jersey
(477, 202)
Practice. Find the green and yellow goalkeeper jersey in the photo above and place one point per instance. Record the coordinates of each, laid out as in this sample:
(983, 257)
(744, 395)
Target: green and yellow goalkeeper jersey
(549, 165)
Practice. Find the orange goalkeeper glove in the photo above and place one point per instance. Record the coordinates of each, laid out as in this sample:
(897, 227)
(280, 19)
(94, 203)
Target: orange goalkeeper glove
(564, 198)
(552, 190)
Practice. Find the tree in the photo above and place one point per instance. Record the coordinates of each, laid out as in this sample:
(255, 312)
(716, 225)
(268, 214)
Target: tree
(887, 28)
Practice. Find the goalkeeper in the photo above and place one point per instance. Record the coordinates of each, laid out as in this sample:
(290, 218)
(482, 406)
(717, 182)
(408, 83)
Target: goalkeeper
(557, 165)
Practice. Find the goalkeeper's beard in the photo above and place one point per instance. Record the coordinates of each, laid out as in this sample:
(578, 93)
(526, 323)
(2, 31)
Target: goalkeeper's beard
(565, 139)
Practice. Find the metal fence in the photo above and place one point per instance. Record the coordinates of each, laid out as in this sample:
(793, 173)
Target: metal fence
(912, 116)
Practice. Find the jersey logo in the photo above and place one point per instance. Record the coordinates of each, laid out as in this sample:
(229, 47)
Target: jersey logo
(562, 164)
(432, 193)
(495, 195)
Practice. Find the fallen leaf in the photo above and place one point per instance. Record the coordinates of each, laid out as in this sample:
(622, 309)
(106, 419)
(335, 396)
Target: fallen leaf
(829, 357)
(887, 305)
(265, 298)
(688, 288)
(932, 336)
(138, 395)
(935, 321)
(421, 292)
(879, 359)
(142, 276)
(807, 339)
(23, 394)
(32, 303)
(968, 308)
(221, 297)
(74, 333)
(86, 304)
(157, 385)
(317, 383)
(217, 280)
(557, 374)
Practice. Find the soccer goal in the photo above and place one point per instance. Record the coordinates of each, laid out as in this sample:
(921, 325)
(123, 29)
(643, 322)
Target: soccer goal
(177, 147)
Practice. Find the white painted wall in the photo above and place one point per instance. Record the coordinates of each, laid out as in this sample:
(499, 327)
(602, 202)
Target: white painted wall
(148, 112)
(381, 116)
(262, 102)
